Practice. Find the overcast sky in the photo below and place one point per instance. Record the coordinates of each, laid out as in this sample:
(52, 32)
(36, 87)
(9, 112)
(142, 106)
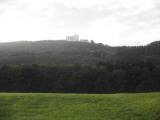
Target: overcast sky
(113, 22)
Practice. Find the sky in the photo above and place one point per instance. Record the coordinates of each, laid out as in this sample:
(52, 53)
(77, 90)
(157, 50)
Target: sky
(112, 22)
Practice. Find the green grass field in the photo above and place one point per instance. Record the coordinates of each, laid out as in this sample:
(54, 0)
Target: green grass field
(17, 106)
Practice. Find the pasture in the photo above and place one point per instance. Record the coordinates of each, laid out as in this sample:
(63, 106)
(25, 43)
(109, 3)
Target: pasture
(48, 106)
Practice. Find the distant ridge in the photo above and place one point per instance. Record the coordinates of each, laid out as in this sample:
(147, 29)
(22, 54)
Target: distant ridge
(72, 52)
(154, 43)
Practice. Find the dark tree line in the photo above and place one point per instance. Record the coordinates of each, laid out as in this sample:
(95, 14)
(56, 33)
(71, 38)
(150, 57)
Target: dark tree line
(100, 78)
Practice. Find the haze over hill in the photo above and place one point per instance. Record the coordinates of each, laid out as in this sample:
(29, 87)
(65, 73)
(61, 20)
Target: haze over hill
(69, 52)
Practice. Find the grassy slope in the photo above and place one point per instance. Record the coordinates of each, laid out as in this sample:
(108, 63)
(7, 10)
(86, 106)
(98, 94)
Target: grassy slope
(79, 107)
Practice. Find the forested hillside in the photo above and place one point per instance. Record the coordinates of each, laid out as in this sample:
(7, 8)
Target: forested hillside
(77, 67)
(65, 52)
(53, 52)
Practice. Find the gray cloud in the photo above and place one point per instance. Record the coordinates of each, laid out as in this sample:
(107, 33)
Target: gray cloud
(79, 17)
(56, 15)
(5, 5)
(4, 1)
(143, 21)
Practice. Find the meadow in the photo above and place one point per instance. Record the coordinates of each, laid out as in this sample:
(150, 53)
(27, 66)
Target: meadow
(48, 106)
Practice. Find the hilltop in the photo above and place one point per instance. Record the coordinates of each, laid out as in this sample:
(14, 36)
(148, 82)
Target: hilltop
(52, 52)
(69, 52)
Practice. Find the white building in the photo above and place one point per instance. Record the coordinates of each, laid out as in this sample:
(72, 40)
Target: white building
(75, 37)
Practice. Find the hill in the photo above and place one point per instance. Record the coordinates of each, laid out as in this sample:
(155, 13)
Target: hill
(52, 52)
(65, 52)
(78, 67)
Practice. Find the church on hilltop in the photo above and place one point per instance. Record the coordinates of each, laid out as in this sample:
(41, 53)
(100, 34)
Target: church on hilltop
(75, 37)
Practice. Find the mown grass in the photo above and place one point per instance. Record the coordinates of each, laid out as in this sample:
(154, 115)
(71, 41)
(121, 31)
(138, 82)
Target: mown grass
(18, 106)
